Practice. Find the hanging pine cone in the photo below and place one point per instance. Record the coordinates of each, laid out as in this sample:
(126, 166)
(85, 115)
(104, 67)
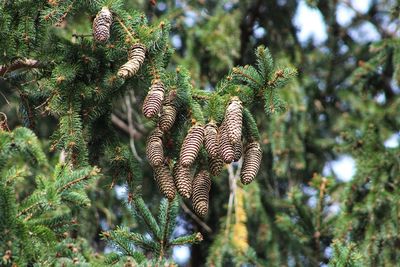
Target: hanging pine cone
(168, 116)
(233, 120)
(154, 148)
(238, 147)
(191, 145)
(215, 165)
(201, 189)
(136, 55)
(211, 139)
(153, 101)
(226, 149)
(102, 24)
(165, 181)
(251, 162)
(182, 180)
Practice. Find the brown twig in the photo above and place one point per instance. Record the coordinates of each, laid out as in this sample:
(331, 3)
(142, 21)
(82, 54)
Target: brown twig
(196, 218)
(123, 126)
(19, 64)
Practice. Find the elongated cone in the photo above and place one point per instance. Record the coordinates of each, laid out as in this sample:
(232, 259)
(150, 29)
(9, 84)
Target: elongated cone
(251, 162)
(182, 180)
(191, 145)
(201, 190)
(102, 24)
(153, 101)
(215, 165)
(165, 181)
(211, 139)
(168, 116)
(238, 147)
(136, 55)
(233, 119)
(154, 148)
(226, 149)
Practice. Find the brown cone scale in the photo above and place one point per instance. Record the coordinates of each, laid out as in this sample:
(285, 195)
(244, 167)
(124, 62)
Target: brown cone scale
(215, 165)
(136, 55)
(201, 189)
(182, 180)
(191, 145)
(154, 148)
(211, 139)
(153, 101)
(168, 116)
(225, 147)
(251, 162)
(165, 181)
(102, 24)
(233, 120)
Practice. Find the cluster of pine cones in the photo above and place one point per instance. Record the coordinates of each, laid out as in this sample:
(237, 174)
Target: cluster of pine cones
(223, 144)
(101, 33)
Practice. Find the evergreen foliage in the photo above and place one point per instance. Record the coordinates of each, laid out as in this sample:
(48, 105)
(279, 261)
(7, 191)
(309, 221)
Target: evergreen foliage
(240, 143)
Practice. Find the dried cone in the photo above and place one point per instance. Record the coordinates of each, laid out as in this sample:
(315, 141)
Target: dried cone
(168, 116)
(226, 149)
(153, 101)
(191, 145)
(182, 180)
(165, 181)
(154, 148)
(251, 162)
(102, 24)
(238, 147)
(233, 120)
(201, 189)
(136, 55)
(211, 139)
(215, 165)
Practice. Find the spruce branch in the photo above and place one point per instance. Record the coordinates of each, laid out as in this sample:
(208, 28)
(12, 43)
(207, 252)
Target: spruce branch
(94, 172)
(20, 64)
(127, 31)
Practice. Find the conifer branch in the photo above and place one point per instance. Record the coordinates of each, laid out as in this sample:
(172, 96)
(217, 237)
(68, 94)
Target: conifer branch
(95, 171)
(27, 209)
(19, 64)
(238, 71)
(127, 31)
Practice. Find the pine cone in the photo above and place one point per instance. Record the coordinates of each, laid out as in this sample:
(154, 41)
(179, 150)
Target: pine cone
(168, 116)
(182, 180)
(238, 147)
(233, 120)
(165, 181)
(251, 162)
(226, 149)
(154, 148)
(136, 55)
(102, 24)
(215, 165)
(211, 139)
(201, 190)
(191, 145)
(153, 101)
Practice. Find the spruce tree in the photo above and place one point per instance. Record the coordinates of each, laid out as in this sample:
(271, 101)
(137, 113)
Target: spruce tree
(213, 115)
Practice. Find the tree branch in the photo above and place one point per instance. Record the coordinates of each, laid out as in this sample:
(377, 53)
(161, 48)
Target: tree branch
(19, 64)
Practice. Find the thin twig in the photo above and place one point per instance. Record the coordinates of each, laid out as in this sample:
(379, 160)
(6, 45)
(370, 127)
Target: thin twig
(123, 126)
(196, 218)
(19, 64)
(128, 105)
(125, 28)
